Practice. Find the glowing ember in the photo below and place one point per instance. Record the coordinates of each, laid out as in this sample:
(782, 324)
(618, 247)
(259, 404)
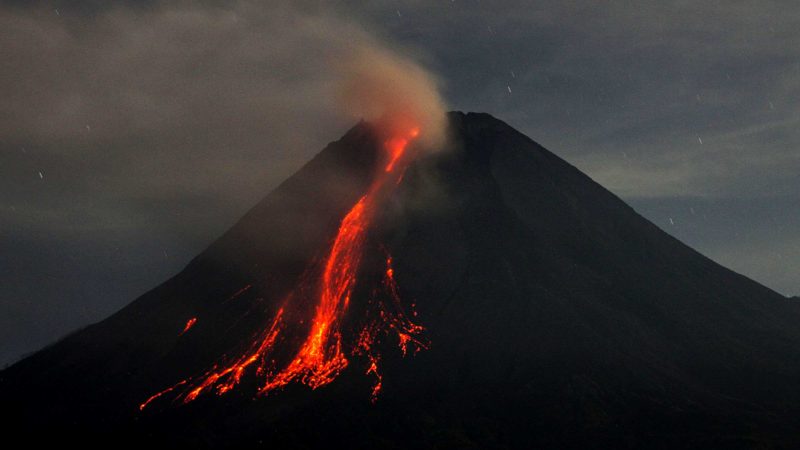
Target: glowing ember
(240, 292)
(323, 355)
(189, 324)
(373, 369)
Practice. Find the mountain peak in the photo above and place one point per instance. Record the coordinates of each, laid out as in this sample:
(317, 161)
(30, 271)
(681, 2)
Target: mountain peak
(554, 312)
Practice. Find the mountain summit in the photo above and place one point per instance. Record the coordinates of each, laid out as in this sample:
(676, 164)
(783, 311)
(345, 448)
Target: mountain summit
(550, 314)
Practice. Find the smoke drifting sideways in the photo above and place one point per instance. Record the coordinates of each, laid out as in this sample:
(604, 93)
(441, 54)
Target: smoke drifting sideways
(189, 86)
(375, 82)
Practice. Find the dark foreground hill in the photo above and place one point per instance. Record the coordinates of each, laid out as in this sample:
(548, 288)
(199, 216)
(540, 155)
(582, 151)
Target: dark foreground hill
(558, 317)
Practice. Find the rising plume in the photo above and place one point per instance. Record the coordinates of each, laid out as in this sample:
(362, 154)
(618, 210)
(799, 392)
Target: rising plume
(385, 86)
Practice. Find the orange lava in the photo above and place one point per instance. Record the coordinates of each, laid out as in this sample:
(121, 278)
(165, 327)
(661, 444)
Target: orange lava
(396, 146)
(323, 354)
(159, 394)
(189, 324)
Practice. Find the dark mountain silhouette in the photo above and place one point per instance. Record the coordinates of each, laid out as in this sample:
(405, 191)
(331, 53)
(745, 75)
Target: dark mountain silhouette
(558, 317)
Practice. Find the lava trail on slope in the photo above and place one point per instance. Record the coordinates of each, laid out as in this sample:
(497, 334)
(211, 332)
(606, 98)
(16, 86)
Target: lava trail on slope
(328, 286)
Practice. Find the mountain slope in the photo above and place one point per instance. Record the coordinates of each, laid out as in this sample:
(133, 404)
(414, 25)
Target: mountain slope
(557, 317)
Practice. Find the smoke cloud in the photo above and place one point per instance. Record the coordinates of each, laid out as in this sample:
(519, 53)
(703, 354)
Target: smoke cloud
(389, 88)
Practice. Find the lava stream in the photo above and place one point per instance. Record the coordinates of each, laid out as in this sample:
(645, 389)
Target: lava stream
(322, 354)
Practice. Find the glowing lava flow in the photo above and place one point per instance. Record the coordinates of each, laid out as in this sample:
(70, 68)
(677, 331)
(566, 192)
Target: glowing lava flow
(189, 324)
(322, 354)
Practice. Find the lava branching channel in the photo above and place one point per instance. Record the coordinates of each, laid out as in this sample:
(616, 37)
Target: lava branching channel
(323, 353)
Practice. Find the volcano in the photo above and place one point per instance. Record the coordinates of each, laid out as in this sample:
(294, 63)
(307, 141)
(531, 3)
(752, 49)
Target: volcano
(487, 294)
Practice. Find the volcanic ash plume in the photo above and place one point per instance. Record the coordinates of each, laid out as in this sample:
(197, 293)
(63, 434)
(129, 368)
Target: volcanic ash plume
(394, 91)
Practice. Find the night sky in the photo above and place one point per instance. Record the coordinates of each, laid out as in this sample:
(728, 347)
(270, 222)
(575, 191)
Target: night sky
(132, 134)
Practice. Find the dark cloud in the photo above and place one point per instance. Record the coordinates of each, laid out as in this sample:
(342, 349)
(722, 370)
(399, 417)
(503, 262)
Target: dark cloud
(650, 80)
(668, 104)
(154, 127)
